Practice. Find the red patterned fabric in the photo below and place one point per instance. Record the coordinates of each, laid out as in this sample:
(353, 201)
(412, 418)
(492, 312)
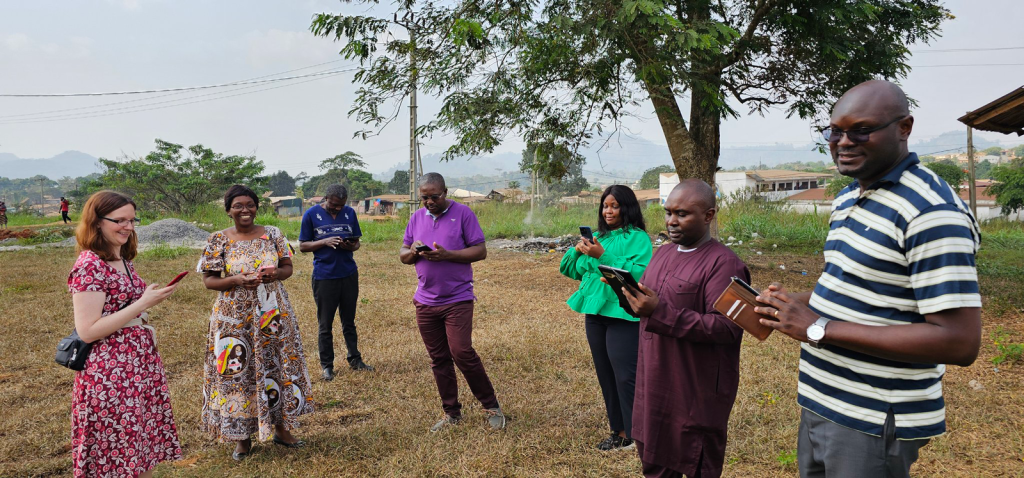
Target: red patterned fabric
(121, 419)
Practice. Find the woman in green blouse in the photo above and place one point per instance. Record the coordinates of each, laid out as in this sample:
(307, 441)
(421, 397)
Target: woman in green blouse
(612, 333)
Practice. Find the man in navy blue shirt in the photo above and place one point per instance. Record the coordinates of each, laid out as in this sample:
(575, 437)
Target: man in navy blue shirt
(331, 232)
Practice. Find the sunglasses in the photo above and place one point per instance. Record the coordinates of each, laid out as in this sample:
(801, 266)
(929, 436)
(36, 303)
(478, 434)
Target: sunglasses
(861, 135)
(433, 197)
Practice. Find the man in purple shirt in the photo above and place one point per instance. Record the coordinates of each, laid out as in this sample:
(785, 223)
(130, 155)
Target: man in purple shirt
(442, 240)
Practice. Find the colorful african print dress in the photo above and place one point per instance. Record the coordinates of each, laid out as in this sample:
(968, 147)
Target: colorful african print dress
(121, 419)
(255, 370)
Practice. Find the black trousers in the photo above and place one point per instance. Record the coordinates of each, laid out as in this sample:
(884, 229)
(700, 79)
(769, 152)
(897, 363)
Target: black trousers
(614, 344)
(64, 216)
(337, 296)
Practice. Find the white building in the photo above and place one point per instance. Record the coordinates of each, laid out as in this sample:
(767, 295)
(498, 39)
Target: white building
(772, 183)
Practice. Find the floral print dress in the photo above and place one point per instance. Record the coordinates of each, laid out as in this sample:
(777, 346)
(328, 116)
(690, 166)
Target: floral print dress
(255, 371)
(121, 420)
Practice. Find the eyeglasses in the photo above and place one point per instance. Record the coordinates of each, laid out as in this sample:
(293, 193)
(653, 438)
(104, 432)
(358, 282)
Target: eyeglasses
(124, 222)
(239, 207)
(862, 135)
(433, 197)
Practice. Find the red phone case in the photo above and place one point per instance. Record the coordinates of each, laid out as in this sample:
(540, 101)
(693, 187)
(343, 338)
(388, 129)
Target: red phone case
(177, 278)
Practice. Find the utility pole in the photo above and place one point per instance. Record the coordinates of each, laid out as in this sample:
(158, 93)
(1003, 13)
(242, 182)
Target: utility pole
(42, 203)
(973, 193)
(409, 22)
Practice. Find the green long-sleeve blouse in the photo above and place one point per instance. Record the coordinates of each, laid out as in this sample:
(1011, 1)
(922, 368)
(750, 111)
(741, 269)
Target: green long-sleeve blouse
(624, 248)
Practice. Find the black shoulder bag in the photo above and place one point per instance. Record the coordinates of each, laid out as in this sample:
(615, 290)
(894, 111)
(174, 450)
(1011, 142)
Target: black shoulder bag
(72, 351)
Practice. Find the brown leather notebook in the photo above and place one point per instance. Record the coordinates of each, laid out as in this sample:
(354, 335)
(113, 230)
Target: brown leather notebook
(737, 302)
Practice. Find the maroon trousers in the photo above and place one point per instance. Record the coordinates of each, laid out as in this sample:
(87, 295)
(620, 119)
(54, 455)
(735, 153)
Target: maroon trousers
(447, 332)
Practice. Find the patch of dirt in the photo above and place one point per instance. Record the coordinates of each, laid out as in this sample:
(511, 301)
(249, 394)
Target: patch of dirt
(11, 234)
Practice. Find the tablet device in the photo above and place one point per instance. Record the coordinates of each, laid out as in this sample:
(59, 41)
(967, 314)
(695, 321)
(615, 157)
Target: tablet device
(617, 279)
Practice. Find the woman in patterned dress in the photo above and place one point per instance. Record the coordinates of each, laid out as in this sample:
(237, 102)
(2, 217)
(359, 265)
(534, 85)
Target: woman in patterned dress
(121, 420)
(255, 371)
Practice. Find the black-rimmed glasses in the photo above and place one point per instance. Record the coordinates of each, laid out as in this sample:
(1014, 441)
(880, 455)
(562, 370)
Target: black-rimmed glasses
(860, 135)
(124, 222)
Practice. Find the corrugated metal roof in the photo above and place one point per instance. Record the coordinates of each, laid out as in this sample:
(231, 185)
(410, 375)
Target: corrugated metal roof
(1004, 115)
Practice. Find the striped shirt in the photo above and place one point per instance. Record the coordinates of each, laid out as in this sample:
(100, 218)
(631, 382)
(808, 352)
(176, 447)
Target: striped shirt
(898, 250)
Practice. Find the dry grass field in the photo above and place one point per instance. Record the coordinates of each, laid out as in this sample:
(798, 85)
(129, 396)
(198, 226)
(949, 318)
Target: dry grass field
(375, 424)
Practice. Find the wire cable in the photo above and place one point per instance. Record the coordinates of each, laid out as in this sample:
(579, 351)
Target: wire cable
(164, 90)
(159, 96)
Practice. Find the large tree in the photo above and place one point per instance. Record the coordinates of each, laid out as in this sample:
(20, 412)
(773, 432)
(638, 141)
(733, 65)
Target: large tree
(281, 183)
(565, 71)
(1009, 188)
(176, 179)
(652, 177)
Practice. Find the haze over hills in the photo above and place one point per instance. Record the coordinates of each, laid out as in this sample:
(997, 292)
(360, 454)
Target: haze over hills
(69, 163)
(623, 159)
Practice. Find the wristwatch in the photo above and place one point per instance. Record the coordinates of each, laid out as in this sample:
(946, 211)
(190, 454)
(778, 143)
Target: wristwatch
(816, 332)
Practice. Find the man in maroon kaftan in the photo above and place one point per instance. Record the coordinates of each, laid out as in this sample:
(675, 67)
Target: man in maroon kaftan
(688, 364)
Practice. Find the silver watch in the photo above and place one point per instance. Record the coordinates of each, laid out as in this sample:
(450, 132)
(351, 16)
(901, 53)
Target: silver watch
(816, 332)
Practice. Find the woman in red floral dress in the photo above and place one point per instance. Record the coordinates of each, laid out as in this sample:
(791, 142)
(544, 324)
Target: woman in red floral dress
(121, 420)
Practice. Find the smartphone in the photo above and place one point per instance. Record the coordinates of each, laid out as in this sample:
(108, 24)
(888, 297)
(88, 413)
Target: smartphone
(746, 286)
(351, 239)
(266, 270)
(177, 278)
(423, 248)
(587, 233)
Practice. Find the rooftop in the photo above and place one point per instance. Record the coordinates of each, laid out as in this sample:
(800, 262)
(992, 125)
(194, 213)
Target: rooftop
(1004, 115)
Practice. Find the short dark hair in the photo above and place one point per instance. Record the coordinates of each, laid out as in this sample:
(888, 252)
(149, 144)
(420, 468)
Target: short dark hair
(629, 209)
(239, 190)
(431, 178)
(336, 191)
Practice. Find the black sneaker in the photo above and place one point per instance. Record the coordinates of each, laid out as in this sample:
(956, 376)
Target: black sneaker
(328, 374)
(360, 365)
(615, 442)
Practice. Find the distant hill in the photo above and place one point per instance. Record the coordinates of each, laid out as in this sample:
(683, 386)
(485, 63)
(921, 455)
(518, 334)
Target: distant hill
(69, 163)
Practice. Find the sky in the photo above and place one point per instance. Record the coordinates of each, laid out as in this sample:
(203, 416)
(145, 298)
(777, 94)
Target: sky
(49, 46)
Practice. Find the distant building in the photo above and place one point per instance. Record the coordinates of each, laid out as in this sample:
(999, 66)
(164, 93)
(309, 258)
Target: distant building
(286, 205)
(771, 183)
(816, 201)
(506, 194)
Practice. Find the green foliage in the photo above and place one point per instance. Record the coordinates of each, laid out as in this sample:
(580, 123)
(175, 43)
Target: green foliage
(513, 184)
(787, 458)
(994, 151)
(345, 169)
(1019, 151)
(1006, 351)
(175, 179)
(836, 184)
(560, 168)
(563, 72)
(651, 179)
(399, 182)
(281, 183)
(949, 172)
(343, 162)
(1009, 190)
(164, 251)
(983, 170)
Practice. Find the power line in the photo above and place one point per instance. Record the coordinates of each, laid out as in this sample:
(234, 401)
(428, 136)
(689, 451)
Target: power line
(160, 96)
(950, 50)
(968, 65)
(134, 110)
(165, 90)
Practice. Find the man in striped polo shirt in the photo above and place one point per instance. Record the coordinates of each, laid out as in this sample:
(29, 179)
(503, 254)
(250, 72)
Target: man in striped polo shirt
(898, 299)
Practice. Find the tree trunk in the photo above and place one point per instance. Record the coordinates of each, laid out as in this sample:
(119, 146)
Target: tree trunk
(694, 150)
